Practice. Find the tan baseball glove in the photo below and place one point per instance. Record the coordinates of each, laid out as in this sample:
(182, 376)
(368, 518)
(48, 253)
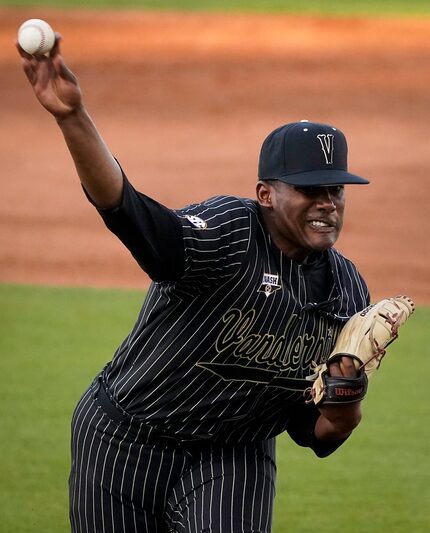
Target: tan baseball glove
(364, 338)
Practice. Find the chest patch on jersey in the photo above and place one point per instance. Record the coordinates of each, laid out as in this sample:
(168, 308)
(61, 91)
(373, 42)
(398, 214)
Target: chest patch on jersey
(196, 221)
(269, 284)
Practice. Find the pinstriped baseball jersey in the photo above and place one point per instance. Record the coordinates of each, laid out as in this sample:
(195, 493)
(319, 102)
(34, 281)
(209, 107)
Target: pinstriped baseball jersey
(231, 328)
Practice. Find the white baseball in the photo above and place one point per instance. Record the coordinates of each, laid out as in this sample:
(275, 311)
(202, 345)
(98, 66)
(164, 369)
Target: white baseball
(36, 36)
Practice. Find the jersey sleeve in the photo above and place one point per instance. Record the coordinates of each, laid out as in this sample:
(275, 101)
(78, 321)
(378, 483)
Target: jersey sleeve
(150, 231)
(216, 237)
(198, 245)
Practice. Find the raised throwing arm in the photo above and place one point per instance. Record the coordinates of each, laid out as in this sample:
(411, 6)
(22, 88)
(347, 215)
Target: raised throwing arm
(57, 89)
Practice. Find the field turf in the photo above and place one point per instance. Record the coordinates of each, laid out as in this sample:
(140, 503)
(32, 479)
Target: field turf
(52, 343)
(334, 7)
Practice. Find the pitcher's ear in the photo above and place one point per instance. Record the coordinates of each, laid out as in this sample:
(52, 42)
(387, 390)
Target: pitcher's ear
(264, 193)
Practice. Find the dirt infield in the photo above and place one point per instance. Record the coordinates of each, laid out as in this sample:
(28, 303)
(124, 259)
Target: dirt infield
(184, 102)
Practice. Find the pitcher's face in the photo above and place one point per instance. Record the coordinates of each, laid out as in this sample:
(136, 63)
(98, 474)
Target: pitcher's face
(303, 219)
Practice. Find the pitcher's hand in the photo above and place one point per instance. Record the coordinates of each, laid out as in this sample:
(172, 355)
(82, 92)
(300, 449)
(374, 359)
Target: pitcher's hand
(54, 85)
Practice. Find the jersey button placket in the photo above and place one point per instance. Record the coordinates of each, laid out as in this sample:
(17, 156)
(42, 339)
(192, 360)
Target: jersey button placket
(301, 290)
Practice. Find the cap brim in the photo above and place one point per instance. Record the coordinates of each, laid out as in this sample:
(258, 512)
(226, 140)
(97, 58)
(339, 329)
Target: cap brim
(317, 178)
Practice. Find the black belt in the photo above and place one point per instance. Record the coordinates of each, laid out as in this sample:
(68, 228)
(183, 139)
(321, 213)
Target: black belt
(147, 434)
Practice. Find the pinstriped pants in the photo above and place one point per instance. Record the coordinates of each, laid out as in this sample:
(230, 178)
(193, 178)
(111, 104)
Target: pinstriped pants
(122, 481)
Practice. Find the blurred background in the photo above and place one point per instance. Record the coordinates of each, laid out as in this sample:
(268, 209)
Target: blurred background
(185, 98)
(184, 93)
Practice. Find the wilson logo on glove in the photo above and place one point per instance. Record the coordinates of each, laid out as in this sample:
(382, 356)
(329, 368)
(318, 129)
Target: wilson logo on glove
(347, 392)
(364, 339)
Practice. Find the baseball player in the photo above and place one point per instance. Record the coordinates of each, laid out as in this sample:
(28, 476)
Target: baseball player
(177, 432)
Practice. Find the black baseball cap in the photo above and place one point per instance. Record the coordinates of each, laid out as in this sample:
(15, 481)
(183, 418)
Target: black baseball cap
(306, 154)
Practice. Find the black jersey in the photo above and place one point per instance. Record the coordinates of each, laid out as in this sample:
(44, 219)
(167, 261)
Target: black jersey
(230, 328)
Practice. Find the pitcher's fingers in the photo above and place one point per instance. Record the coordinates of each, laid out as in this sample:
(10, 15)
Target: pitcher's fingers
(55, 50)
(64, 71)
(22, 52)
(27, 64)
(347, 367)
(58, 61)
(334, 369)
(29, 71)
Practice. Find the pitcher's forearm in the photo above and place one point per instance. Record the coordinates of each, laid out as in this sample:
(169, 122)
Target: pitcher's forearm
(337, 422)
(97, 169)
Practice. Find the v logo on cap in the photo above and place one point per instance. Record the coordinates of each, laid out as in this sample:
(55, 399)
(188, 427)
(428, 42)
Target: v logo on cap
(327, 145)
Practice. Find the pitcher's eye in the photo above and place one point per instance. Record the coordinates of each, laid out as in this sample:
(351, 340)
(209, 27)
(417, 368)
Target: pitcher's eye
(336, 189)
(309, 191)
(314, 192)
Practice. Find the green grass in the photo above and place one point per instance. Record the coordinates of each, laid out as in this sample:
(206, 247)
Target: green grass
(52, 343)
(337, 7)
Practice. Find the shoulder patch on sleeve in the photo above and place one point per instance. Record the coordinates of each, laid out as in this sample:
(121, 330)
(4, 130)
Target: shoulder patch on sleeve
(196, 221)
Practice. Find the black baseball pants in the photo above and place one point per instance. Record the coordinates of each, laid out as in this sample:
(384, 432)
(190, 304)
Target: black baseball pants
(124, 480)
